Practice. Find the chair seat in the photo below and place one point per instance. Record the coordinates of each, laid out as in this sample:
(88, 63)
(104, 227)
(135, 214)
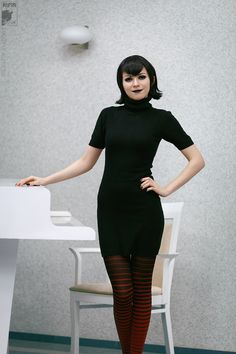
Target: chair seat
(104, 288)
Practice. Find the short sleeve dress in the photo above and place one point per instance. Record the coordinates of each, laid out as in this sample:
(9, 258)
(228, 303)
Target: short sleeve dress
(130, 219)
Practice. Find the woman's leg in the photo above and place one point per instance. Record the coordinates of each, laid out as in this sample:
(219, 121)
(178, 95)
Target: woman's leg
(142, 269)
(119, 271)
(132, 283)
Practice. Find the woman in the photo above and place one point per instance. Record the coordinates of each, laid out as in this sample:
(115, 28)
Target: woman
(130, 217)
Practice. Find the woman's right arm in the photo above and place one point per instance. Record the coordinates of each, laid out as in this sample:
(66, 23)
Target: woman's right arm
(77, 168)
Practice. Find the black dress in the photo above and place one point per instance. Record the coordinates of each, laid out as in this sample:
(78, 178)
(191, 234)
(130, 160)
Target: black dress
(130, 219)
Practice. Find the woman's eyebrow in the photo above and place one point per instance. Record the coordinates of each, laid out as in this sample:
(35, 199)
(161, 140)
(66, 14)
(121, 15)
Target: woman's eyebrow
(128, 75)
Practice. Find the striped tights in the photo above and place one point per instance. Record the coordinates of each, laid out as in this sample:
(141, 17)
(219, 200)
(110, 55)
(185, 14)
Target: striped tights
(131, 279)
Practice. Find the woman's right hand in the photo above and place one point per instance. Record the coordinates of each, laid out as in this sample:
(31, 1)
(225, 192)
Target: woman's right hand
(32, 181)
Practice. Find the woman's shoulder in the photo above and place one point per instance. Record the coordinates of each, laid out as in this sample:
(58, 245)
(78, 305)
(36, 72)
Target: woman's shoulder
(161, 111)
(164, 114)
(160, 114)
(111, 109)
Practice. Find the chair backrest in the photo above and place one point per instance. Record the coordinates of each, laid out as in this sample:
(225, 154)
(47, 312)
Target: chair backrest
(172, 215)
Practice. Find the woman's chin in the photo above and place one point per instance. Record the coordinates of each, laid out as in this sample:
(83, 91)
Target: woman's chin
(137, 97)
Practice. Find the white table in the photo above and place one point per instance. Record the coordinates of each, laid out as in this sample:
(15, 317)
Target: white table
(25, 214)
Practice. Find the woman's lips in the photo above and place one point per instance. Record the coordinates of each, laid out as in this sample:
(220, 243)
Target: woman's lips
(137, 91)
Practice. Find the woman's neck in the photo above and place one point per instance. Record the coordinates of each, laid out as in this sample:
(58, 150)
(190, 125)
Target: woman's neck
(137, 104)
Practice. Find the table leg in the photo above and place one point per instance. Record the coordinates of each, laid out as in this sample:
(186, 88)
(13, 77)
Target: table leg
(8, 255)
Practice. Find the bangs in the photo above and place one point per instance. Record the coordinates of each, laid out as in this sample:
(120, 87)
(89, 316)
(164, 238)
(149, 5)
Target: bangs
(132, 67)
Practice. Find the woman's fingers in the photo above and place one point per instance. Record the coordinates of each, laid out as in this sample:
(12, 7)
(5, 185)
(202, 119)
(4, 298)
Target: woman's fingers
(150, 189)
(146, 178)
(32, 181)
(29, 180)
(21, 182)
(151, 185)
(147, 182)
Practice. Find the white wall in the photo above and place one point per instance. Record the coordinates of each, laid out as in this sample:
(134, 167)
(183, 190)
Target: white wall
(51, 96)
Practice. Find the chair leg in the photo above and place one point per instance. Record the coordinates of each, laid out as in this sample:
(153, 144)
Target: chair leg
(167, 329)
(75, 314)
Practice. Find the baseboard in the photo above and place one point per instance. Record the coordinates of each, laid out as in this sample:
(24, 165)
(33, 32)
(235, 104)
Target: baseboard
(98, 343)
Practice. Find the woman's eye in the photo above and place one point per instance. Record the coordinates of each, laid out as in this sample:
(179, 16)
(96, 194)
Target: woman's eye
(128, 79)
(142, 77)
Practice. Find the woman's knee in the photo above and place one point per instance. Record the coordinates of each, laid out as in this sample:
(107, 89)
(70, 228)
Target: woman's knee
(123, 294)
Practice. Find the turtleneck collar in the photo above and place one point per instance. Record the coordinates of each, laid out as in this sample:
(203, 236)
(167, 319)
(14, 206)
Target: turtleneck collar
(137, 105)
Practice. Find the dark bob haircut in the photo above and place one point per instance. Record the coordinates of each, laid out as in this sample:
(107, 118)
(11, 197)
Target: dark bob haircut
(133, 65)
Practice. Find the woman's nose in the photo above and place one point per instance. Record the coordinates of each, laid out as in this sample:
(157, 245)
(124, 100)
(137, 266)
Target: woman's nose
(135, 81)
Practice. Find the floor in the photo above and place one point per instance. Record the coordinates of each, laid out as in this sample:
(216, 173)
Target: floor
(27, 347)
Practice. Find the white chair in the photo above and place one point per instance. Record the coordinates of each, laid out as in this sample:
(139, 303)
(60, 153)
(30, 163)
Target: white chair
(100, 294)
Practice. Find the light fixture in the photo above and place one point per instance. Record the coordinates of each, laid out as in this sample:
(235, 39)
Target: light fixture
(76, 35)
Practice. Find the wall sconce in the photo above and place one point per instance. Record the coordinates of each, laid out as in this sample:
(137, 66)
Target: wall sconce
(76, 35)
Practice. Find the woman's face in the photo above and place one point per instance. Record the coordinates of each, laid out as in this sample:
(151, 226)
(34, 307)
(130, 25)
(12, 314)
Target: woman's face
(136, 87)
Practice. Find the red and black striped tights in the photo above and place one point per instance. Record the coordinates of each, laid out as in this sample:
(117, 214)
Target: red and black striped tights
(131, 279)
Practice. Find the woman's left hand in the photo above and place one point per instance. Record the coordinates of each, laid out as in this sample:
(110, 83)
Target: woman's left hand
(151, 185)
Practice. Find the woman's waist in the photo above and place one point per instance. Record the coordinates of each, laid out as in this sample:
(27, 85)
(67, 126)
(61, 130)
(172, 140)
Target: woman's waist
(125, 176)
(122, 185)
(124, 193)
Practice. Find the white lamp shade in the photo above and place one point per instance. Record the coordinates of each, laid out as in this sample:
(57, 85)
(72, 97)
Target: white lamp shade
(76, 35)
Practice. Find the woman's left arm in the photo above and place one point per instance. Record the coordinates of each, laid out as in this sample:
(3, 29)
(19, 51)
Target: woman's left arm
(195, 164)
